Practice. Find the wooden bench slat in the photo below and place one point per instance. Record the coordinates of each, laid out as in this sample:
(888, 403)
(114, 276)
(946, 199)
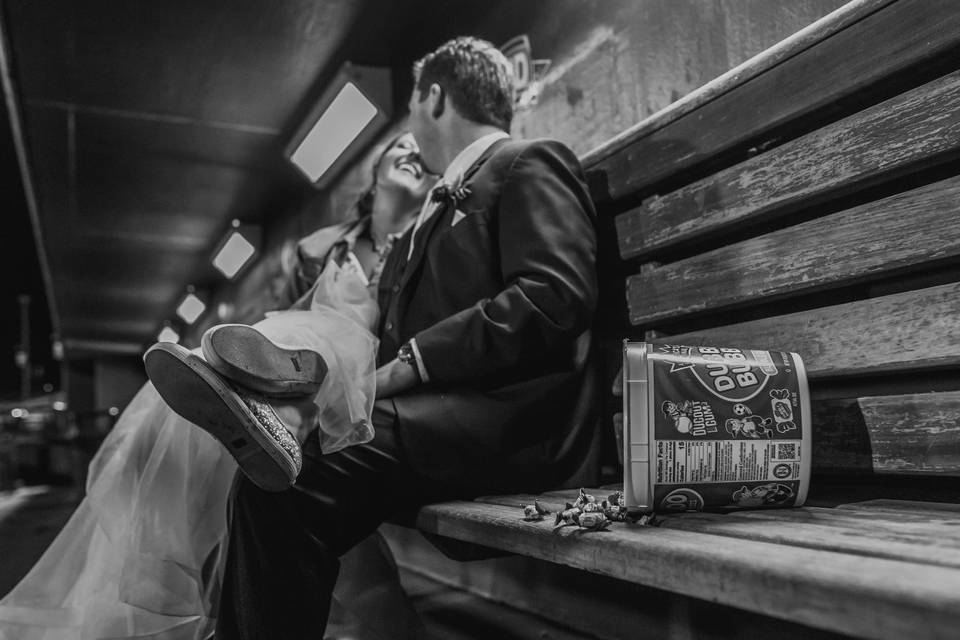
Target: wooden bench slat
(900, 506)
(908, 434)
(875, 239)
(881, 598)
(925, 540)
(897, 332)
(814, 34)
(886, 140)
(909, 531)
(855, 47)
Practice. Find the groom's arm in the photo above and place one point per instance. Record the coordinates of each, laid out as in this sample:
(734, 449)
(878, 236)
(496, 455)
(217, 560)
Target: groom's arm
(547, 246)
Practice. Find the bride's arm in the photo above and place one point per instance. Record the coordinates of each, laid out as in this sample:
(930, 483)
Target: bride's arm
(395, 377)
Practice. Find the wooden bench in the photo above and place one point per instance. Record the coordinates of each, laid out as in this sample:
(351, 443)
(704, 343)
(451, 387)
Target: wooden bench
(808, 200)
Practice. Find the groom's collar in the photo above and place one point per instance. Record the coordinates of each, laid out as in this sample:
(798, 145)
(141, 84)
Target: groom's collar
(454, 173)
(470, 154)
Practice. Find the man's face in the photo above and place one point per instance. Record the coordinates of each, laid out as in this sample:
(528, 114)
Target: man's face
(423, 126)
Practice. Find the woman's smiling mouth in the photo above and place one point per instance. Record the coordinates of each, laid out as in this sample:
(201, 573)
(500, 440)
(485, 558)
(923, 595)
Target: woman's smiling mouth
(410, 165)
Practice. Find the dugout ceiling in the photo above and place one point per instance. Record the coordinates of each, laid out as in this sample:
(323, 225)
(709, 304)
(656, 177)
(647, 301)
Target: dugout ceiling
(148, 126)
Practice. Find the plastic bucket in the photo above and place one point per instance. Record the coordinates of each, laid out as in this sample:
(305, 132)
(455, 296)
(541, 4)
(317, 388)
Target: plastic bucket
(714, 428)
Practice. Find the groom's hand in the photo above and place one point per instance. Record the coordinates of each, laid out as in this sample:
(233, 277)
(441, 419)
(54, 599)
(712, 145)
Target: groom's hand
(395, 377)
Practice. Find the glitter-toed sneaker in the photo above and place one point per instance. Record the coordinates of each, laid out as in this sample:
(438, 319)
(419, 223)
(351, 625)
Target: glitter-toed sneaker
(243, 354)
(246, 425)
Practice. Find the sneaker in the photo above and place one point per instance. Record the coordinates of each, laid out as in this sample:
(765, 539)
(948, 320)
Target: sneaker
(243, 354)
(245, 424)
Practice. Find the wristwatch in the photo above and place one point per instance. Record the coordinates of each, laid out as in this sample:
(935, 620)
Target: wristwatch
(406, 356)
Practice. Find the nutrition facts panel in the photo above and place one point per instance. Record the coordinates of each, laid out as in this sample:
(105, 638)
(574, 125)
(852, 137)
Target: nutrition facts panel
(699, 461)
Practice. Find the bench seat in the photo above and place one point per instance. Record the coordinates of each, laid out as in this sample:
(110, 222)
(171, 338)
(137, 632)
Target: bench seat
(868, 569)
(805, 201)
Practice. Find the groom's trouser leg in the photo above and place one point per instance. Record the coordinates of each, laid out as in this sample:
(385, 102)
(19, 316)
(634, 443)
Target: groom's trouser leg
(282, 560)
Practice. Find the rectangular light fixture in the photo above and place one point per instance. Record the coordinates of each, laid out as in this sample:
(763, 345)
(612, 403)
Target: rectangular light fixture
(353, 109)
(234, 254)
(337, 127)
(191, 308)
(167, 334)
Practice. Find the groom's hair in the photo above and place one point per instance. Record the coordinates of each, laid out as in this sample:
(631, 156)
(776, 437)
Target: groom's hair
(475, 76)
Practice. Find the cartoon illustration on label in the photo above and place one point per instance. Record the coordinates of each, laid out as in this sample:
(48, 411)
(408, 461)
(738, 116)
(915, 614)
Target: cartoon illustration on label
(782, 410)
(741, 410)
(679, 413)
(749, 426)
(691, 417)
(773, 493)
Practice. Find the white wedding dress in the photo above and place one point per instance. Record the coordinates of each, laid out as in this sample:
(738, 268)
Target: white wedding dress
(142, 555)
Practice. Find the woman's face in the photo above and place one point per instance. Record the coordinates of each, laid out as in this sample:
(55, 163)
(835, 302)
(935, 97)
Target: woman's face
(401, 168)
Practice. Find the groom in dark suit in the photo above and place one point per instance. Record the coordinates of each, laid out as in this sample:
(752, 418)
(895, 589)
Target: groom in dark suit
(484, 382)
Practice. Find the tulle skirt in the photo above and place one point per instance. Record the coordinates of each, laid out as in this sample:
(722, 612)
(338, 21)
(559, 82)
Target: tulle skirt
(141, 556)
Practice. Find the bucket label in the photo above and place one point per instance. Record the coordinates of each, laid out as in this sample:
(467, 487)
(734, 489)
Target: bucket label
(717, 393)
(727, 428)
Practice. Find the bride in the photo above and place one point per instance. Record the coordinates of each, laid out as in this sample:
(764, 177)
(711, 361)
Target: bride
(141, 555)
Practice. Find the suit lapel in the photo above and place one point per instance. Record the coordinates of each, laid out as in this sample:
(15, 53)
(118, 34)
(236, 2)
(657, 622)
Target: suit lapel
(424, 232)
(421, 237)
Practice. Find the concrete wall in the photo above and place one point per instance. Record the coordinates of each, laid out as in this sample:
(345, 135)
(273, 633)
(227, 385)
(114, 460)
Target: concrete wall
(614, 62)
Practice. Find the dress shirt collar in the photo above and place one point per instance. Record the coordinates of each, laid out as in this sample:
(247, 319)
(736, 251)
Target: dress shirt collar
(470, 154)
(454, 173)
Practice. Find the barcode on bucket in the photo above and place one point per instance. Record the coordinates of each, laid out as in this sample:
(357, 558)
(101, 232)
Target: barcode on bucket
(786, 451)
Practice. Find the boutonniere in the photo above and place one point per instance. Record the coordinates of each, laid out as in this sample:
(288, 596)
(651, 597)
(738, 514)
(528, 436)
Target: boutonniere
(450, 192)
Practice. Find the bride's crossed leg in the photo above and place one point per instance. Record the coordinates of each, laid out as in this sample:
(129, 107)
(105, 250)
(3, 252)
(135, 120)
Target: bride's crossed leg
(141, 555)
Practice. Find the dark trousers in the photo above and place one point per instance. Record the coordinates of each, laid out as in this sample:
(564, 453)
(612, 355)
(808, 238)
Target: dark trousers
(282, 560)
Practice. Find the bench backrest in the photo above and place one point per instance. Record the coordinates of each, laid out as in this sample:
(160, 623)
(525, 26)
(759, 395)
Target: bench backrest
(809, 200)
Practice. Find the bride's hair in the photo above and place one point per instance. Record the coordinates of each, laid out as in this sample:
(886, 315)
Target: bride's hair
(365, 201)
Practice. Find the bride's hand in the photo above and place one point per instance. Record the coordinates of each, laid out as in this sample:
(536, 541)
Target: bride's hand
(395, 377)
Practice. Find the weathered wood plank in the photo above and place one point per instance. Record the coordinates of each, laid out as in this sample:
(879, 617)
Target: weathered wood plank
(888, 139)
(881, 598)
(896, 530)
(883, 237)
(599, 606)
(901, 506)
(855, 47)
(928, 539)
(898, 332)
(908, 434)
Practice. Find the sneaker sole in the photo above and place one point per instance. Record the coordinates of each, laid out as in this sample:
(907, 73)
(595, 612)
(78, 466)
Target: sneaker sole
(194, 391)
(241, 353)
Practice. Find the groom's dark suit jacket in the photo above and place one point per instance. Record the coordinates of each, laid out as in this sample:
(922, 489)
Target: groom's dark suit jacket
(500, 294)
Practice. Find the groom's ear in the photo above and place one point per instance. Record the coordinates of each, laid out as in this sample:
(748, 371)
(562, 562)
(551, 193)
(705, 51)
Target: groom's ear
(438, 97)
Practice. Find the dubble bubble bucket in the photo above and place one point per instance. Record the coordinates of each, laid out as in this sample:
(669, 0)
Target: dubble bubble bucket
(711, 428)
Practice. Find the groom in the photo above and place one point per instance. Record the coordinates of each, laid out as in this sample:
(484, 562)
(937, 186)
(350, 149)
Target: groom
(484, 384)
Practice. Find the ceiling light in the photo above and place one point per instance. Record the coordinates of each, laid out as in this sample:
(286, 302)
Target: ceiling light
(348, 116)
(191, 308)
(339, 125)
(167, 334)
(237, 248)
